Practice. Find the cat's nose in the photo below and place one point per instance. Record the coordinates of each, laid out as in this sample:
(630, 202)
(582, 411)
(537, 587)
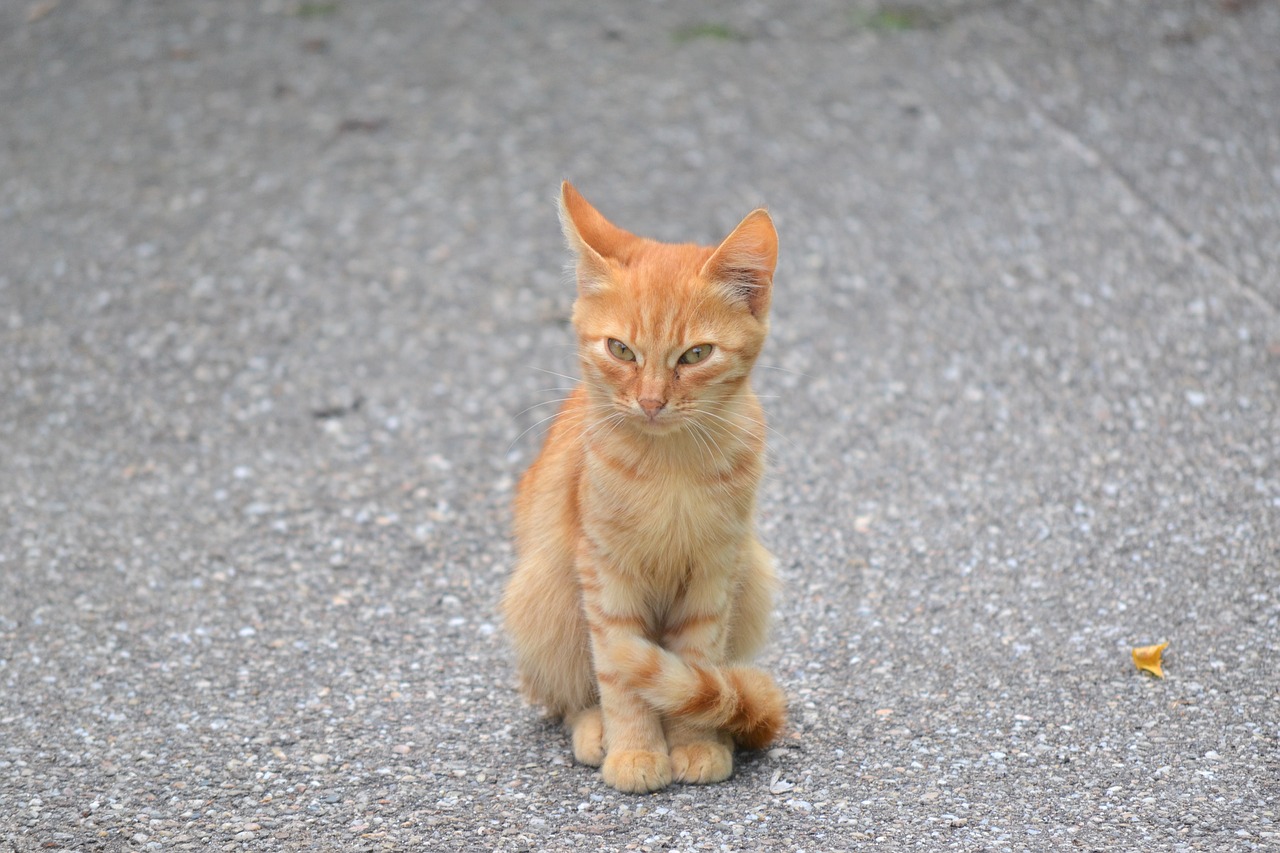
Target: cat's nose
(652, 407)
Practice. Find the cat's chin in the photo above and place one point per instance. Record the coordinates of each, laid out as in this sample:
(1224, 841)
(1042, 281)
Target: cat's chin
(657, 426)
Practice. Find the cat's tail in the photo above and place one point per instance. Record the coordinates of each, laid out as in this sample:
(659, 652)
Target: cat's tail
(742, 700)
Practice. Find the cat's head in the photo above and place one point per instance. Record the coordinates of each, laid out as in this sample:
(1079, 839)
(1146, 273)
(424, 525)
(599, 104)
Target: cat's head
(667, 330)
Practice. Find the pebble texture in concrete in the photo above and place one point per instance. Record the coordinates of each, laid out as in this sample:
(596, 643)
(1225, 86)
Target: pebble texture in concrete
(282, 304)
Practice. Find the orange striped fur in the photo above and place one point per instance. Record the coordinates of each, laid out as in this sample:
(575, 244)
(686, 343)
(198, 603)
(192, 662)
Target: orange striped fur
(640, 589)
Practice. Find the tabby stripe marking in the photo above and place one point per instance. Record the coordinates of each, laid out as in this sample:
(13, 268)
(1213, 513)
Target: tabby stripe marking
(645, 673)
(709, 373)
(690, 621)
(620, 467)
(744, 464)
(707, 697)
(588, 580)
(612, 620)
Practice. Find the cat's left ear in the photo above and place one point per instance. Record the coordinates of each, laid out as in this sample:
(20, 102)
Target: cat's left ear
(745, 261)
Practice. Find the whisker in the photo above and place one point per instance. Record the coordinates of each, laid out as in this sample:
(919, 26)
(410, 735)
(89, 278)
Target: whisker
(532, 426)
(765, 476)
(734, 430)
(618, 420)
(590, 407)
(553, 373)
(539, 405)
(613, 421)
(767, 428)
(785, 370)
(711, 406)
(589, 410)
(725, 403)
(547, 390)
(697, 433)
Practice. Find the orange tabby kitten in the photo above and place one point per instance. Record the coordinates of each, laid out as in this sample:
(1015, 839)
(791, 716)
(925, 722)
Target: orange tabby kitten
(640, 586)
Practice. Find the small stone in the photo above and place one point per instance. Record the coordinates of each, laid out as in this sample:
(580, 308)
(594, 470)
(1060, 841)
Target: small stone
(320, 758)
(778, 785)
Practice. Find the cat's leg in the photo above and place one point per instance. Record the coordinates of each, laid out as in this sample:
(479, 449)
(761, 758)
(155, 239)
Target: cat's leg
(635, 748)
(635, 758)
(587, 729)
(698, 756)
(698, 629)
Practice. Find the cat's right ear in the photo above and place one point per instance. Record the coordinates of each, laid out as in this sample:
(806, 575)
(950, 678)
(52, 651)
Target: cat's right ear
(744, 263)
(594, 239)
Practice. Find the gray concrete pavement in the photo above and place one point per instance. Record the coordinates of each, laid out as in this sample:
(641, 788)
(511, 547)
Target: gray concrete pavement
(279, 282)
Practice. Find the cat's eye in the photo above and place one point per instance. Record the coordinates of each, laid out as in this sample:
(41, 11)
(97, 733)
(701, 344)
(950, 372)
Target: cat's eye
(621, 351)
(693, 355)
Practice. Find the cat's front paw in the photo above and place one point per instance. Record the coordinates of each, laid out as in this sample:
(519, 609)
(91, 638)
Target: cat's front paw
(636, 771)
(701, 762)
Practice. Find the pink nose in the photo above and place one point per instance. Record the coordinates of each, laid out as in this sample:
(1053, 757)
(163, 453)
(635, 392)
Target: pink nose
(652, 407)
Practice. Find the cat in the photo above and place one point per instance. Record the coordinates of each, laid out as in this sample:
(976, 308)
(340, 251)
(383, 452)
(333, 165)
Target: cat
(640, 587)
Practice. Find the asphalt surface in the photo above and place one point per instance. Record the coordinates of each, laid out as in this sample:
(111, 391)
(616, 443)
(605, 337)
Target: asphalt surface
(280, 283)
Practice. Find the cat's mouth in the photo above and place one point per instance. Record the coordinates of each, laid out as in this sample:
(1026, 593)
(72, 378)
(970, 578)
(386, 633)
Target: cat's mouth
(655, 420)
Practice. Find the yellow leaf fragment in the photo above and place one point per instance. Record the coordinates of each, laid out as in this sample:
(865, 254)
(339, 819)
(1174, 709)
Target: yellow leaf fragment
(1147, 658)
